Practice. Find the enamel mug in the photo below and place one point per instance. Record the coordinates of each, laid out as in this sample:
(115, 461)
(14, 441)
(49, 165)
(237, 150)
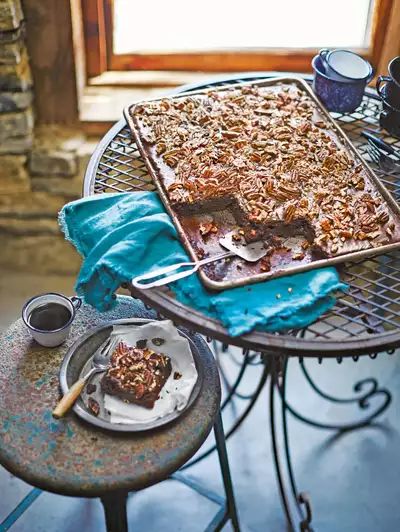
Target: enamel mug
(344, 65)
(388, 87)
(53, 337)
(337, 96)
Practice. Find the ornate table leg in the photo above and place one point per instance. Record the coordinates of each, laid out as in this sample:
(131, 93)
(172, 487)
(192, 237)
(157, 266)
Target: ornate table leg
(226, 476)
(114, 505)
(300, 500)
(292, 498)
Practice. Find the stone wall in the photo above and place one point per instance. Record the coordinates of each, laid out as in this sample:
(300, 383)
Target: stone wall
(40, 168)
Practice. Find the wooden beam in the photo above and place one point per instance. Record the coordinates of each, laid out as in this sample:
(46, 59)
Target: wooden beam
(215, 61)
(95, 36)
(79, 47)
(391, 42)
(51, 51)
(382, 11)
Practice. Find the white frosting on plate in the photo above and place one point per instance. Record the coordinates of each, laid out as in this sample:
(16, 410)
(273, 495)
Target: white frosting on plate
(175, 393)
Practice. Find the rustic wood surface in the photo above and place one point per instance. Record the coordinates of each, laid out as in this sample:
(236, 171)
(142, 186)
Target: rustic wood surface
(51, 52)
(95, 38)
(391, 43)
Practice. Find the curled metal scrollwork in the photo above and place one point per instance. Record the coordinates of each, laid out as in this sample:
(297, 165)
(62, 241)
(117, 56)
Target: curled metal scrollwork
(305, 524)
(367, 388)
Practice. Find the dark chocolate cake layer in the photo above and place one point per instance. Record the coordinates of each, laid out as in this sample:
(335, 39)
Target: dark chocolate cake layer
(136, 375)
(268, 155)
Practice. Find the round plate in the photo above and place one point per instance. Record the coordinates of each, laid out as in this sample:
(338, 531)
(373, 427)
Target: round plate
(78, 357)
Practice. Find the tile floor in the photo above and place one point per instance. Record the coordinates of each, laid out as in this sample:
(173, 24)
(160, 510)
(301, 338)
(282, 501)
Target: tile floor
(352, 478)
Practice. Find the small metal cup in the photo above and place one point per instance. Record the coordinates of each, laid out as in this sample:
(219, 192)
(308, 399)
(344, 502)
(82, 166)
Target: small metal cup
(55, 337)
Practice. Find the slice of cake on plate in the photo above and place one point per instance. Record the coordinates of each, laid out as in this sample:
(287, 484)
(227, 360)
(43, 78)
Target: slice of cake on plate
(136, 375)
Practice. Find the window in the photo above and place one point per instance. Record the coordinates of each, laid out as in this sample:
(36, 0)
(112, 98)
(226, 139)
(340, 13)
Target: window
(227, 35)
(226, 24)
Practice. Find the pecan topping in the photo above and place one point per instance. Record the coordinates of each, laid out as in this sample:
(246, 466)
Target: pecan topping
(158, 341)
(135, 369)
(207, 228)
(265, 264)
(289, 213)
(268, 151)
(94, 406)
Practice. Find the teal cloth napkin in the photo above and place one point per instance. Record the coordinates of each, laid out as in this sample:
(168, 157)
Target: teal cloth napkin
(124, 235)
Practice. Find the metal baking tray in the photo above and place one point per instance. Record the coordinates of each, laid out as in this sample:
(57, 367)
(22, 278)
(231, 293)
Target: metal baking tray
(234, 272)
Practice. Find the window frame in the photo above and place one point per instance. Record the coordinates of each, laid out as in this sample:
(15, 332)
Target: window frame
(98, 28)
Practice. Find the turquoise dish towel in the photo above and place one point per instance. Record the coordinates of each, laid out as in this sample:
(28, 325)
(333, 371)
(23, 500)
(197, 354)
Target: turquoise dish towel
(124, 235)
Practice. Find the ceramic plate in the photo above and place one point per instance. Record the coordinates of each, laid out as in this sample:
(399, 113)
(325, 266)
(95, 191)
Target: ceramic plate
(77, 361)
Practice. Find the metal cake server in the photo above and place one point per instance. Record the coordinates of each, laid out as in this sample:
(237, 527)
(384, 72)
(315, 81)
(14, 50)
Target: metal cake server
(385, 163)
(249, 252)
(381, 144)
(100, 362)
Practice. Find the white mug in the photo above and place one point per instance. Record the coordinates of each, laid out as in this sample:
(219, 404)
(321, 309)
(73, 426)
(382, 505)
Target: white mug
(345, 65)
(55, 337)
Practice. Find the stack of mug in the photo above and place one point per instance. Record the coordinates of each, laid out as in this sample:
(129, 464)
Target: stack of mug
(388, 88)
(340, 79)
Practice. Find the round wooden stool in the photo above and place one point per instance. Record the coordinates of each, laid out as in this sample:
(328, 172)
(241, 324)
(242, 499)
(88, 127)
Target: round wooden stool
(70, 457)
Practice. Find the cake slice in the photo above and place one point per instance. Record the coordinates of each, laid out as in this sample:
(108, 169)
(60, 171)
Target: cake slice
(136, 375)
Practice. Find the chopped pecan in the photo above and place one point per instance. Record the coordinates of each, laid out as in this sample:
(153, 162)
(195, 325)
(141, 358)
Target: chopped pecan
(346, 234)
(206, 228)
(290, 213)
(265, 264)
(94, 406)
(90, 388)
(326, 225)
(298, 255)
(382, 216)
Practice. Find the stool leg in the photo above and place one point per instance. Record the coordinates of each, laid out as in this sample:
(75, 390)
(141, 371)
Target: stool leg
(114, 505)
(226, 474)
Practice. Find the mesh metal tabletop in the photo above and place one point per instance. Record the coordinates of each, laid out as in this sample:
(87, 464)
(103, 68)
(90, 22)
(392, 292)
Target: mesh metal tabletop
(366, 319)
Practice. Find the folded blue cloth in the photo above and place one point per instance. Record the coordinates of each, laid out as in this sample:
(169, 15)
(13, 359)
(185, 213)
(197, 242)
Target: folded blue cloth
(124, 235)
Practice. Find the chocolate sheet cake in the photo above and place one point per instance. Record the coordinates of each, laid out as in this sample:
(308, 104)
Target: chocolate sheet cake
(267, 154)
(136, 375)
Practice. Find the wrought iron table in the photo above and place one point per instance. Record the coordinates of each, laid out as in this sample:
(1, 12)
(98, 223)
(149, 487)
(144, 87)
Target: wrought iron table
(364, 321)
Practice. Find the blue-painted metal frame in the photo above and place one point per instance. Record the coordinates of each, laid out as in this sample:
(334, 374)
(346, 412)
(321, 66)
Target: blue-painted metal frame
(227, 506)
(20, 509)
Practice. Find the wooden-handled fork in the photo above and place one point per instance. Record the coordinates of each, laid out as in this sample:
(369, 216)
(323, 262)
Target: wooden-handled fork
(100, 362)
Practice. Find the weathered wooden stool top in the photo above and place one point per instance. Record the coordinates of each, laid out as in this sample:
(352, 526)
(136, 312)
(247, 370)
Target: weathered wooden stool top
(69, 456)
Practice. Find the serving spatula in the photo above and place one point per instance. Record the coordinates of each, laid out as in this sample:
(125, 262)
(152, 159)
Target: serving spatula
(249, 252)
